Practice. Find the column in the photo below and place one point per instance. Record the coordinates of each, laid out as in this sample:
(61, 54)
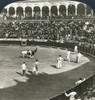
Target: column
(76, 10)
(24, 12)
(66, 10)
(32, 13)
(7, 12)
(40, 12)
(58, 11)
(50, 11)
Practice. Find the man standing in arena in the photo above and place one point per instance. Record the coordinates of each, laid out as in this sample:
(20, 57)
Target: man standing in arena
(72, 95)
(35, 68)
(59, 62)
(68, 55)
(23, 67)
(78, 57)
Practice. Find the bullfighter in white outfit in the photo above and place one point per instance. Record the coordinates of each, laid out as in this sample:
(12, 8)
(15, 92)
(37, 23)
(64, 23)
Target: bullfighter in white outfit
(59, 62)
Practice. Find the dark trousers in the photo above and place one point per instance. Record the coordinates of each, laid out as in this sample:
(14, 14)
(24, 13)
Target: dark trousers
(23, 72)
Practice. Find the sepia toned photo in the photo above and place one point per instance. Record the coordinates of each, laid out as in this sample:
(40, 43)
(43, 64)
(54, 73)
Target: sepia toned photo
(47, 50)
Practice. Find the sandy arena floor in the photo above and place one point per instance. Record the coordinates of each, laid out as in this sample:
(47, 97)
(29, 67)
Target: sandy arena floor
(48, 83)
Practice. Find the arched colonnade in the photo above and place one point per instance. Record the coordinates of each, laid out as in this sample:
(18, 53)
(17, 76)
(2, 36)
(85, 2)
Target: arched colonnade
(40, 9)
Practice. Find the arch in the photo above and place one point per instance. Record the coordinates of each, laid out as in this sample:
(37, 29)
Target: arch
(11, 11)
(54, 11)
(36, 11)
(81, 10)
(19, 11)
(45, 11)
(28, 11)
(71, 10)
(88, 10)
(62, 10)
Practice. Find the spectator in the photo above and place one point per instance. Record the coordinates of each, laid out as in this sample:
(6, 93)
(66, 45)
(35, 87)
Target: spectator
(52, 30)
(80, 81)
(71, 95)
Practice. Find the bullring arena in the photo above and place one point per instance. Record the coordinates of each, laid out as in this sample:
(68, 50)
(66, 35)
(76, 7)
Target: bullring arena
(54, 28)
(50, 81)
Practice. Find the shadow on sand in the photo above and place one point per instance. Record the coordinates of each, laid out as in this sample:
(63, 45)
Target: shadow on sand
(44, 86)
(54, 66)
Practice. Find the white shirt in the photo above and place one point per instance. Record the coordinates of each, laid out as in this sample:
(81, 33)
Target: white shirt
(68, 53)
(36, 63)
(23, 67)
(72, 95)
(80, 81)
(79, 55)
(60, 59)
(34, 69)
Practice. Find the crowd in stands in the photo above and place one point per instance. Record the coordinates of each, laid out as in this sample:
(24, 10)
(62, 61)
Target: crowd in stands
(83, 31)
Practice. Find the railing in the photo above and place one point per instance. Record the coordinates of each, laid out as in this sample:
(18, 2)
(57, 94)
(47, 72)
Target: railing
(47, 20)
(81, 88)
(69, 45)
